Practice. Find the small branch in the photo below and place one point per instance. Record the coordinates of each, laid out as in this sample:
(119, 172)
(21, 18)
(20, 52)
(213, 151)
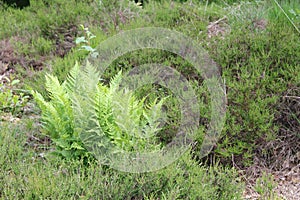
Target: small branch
(294, 97)
(216, 22)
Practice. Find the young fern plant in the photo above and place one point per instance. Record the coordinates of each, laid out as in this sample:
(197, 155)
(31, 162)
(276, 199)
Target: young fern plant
(128, 122)
(58, 117)
(124, 120)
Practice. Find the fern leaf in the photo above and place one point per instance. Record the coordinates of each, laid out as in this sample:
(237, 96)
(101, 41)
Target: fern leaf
(70, 82)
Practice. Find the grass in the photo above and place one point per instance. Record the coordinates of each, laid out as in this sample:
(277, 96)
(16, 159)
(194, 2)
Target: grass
(26, 174)
(255, 44)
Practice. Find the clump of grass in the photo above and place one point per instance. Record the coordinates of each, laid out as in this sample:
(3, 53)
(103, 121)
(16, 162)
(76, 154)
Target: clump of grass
(258, 66)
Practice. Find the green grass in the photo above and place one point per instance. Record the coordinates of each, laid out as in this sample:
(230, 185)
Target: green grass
(26, 175)
(259, 65)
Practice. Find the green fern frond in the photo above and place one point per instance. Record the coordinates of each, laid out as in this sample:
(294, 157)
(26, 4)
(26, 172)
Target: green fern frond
(70, 82)
(57, 92)
(90, 77)
(50, 117)
(115, 82)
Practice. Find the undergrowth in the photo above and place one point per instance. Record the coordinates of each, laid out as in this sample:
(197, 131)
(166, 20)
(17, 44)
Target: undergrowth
(255, 45)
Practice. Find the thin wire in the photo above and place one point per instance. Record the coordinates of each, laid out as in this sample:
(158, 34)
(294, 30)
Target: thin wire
(287, 16)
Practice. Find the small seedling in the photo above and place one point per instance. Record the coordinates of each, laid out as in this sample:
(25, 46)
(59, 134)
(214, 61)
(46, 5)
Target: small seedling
(86, 41)
(10, 100)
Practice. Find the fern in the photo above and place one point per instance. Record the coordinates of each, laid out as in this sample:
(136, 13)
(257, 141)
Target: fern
(70, 82)
(124, 117)
(101, 113)
(58, 117)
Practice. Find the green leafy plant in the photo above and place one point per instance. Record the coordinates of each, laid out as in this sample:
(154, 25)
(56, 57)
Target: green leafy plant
(24, 176)
(11, 99)
(86, 40)
(265, 185)
(58, 120)
(119, 112)
(42, 45)
(130, 123)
